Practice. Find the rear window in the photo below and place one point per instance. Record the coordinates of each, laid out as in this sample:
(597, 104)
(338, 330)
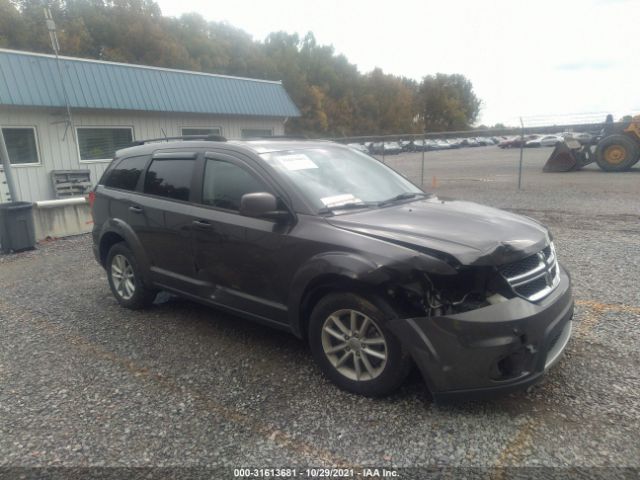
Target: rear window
(126, 173)
(170, 178)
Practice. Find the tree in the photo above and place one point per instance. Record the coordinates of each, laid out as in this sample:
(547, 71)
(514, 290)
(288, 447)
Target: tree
(12, 31)
(335, 99)
(448, 102)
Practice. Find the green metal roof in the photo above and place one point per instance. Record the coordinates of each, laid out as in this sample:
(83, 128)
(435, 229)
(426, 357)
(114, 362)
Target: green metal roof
(32, 79)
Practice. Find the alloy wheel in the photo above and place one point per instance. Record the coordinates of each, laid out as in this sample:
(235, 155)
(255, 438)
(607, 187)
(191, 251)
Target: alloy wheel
(354, 344)
(123, 277)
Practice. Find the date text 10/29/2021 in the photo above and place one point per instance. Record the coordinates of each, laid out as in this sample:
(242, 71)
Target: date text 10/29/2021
(314, 473)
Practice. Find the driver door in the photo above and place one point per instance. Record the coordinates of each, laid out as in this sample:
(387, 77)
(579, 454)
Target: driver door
(241, 258)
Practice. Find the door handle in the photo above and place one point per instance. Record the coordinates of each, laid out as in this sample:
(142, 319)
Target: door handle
(135, 209)
(202, 224)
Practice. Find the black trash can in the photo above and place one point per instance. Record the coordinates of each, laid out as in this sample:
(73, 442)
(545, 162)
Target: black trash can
(17, 231)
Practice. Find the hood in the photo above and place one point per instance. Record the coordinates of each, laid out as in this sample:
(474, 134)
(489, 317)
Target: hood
(471, 233)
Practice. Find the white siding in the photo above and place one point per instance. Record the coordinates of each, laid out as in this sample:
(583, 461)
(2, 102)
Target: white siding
(34, 182)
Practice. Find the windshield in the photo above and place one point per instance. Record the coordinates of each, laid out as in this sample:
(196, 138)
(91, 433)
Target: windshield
(333, 176)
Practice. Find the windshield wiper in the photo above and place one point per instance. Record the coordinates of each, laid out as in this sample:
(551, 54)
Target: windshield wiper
(402, 196)
(346, 206)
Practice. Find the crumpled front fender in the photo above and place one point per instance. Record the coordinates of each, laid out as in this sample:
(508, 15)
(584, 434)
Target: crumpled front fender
(487, 349)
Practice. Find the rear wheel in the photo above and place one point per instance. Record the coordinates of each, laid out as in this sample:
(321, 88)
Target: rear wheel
(616, 153)
(125, 278)
(353, 347)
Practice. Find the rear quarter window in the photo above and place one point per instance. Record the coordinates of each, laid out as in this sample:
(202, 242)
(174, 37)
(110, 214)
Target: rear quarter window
(126, 173)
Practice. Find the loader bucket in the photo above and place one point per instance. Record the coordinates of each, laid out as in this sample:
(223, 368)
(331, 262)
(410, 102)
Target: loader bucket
(566, 157)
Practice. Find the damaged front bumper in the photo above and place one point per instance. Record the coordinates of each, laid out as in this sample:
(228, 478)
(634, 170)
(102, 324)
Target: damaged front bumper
(494, 349)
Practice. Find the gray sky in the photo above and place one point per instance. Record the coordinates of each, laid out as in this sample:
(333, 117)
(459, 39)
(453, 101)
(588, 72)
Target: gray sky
(545, 60)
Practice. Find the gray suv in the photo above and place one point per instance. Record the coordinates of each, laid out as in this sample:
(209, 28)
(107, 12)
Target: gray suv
(327, 243)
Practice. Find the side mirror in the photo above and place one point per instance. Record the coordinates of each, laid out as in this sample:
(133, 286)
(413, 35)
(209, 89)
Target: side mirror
(262, 205)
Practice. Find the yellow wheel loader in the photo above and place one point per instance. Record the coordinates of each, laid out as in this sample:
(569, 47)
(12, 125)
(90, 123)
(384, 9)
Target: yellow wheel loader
(618, 149)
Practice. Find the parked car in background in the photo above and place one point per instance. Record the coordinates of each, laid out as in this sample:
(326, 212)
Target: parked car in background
(392, 148)
(508, 142)
(544, 141)
(469, 142)
(442, 144)
(386, 148)
(376, 148)
(483, 141)
(407, 145)
(517, 141)
(430, 144)
(583, 137)
(358, 146)
(419, 145)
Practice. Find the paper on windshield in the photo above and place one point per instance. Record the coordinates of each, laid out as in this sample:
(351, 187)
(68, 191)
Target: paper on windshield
(297, 161)
(337, 200)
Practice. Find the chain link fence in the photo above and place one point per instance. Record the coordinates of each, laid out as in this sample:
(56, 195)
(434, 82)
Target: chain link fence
(414, 155)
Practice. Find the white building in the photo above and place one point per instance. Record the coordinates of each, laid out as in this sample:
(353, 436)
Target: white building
(113, 104)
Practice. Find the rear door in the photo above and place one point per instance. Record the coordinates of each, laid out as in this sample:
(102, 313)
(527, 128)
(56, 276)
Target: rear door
(161, 217)
(241, 258)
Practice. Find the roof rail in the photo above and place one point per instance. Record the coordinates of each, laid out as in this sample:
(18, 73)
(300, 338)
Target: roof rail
(211, 138)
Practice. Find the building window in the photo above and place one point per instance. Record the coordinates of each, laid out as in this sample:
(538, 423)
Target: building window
(21, 145)
(170, 178)
(201, 131)
(102, 143)
(256, 132)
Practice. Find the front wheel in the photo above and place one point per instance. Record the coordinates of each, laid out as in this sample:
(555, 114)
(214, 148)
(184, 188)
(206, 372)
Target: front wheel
(125, 279)
(351, 344)
(616, 153)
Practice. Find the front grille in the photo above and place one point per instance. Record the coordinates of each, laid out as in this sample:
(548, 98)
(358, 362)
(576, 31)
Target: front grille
(522, 266)
(531, 288)
(533, 277)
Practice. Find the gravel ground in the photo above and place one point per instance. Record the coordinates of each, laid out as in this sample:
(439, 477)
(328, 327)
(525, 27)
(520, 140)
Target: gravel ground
(87, 383)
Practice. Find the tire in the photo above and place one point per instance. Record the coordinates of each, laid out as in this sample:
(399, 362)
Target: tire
(383, 363)
(616, 153)
(134, 294)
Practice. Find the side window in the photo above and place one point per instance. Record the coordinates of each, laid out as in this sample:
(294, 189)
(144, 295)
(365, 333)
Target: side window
(125, 174)
(170, 178)
(225, 183)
